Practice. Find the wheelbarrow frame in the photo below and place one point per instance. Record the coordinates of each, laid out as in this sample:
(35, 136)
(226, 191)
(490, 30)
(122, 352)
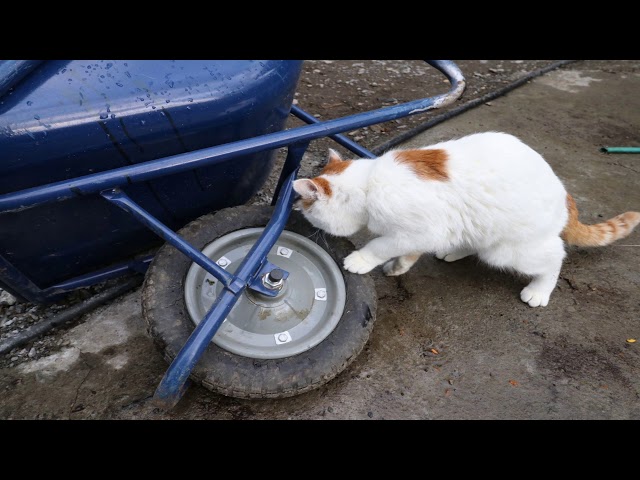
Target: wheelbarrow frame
(255, 265)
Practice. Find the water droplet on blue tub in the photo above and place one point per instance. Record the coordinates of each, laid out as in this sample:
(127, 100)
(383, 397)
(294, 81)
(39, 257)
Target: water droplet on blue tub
(29, 103)
(103, 116)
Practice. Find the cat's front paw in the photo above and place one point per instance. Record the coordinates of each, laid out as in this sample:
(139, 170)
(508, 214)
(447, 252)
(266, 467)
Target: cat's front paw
(533, 297)
(356, 263)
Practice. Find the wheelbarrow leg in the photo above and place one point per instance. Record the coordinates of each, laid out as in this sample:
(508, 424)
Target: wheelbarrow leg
(174, 383)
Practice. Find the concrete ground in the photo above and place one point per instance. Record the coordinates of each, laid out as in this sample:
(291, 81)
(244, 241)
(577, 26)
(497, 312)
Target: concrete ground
(451, 341)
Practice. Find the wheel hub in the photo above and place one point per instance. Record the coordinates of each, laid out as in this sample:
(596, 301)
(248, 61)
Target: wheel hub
(303, 313)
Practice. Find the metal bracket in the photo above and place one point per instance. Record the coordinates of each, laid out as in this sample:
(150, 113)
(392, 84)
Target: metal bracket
(256, 284)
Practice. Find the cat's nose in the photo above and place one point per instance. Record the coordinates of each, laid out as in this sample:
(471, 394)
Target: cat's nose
(296, 201)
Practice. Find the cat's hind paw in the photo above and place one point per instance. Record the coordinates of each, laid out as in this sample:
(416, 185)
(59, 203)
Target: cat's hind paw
(454, 256)
(441, 255)
(393, 268)
(533, 297)
(399, 265)
(356, 263)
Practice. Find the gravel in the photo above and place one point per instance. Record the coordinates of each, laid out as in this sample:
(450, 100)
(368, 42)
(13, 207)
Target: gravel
(16, 316)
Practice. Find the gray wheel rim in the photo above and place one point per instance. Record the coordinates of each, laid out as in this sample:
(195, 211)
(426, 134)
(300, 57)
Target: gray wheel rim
(304, 313)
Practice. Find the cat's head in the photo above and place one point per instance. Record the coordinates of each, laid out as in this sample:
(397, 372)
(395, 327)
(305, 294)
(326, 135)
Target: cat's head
(335, 200)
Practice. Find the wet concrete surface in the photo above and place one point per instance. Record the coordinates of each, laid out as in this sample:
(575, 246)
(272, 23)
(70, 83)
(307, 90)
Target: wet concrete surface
(451, 341)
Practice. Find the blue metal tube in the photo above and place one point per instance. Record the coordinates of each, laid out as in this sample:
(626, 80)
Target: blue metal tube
(173, 384)
(291, 163)
(122, 200)
(272, 231)
(174, 381)
(209, 156)
(341, 139)
(13, 281)
(19, 285)
(139, 265)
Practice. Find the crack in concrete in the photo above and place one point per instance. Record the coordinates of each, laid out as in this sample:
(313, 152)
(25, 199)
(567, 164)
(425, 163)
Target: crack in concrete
(570, 282)
(75, 399)
(623, 166)
(134, 402)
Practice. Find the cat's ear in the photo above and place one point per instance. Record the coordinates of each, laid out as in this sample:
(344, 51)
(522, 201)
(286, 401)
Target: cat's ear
(334, 156)
(306, 188)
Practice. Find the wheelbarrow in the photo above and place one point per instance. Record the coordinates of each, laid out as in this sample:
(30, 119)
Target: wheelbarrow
(249, 301)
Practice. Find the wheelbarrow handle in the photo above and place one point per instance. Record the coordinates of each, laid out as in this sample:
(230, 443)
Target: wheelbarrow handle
(94, 183)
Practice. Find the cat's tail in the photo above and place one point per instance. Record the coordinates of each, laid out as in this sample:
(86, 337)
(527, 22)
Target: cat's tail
(601, 234)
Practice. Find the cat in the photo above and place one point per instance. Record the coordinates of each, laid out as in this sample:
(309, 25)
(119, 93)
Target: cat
(486, 194)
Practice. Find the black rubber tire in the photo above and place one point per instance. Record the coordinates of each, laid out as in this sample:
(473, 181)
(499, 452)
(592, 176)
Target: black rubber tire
(169, 324)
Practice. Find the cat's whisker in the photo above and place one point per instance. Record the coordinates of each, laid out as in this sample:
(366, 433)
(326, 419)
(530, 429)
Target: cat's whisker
(324, 239)
(314, 235)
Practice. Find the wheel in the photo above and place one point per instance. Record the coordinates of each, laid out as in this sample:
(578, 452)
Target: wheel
(267, 347)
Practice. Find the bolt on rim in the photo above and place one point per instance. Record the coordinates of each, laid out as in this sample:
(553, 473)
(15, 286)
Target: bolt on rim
(307, 308)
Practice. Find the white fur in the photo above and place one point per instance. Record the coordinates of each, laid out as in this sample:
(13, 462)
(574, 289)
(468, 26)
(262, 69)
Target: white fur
(502, 202)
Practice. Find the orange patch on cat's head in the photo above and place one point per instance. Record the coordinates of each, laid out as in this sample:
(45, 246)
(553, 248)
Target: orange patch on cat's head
(323, 185)
(429, 164)
(335, 165)
(311, 189)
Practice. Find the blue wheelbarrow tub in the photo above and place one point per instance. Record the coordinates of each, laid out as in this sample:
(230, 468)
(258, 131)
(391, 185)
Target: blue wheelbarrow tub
(66, 119)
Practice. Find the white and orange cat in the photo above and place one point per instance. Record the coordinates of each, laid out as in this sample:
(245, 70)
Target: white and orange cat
(486, 194)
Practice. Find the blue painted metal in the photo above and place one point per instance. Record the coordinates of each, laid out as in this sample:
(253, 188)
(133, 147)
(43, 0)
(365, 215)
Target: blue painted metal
(172, 385)
(13, 71)
(254, 264)
(137, 265)
(341, 139)
(15, 202)
(119, 198)
(210, 156)
(255, 283)
(69, 119)
(18, 284)
(174, 382)
(29, 292)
